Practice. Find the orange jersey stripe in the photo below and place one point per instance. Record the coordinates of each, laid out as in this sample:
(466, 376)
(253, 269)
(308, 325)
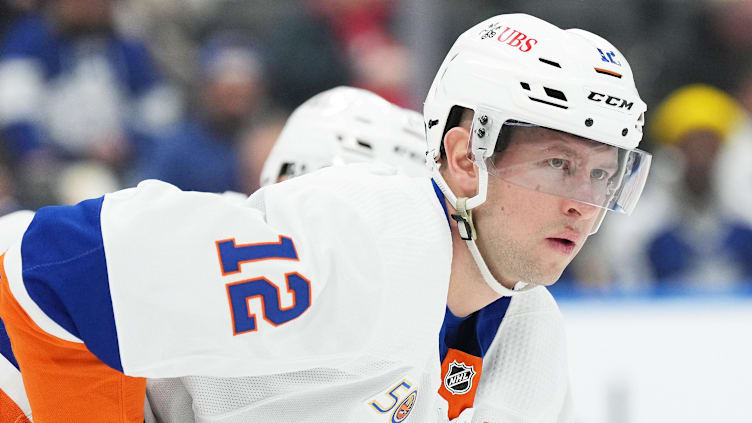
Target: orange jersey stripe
(9, 411)
(63, 380)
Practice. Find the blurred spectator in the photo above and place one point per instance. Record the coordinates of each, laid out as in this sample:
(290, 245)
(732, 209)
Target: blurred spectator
(72, 87)
(302, 54)
(681, 232)
(735, 160)
(707, 41)
(8, 203)
(11, 9)
(201, 152)
(310, 45)
(380, 62)
(82, 180)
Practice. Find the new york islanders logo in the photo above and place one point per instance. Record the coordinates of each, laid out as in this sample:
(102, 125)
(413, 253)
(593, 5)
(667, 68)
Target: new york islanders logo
(404, 409)
(459, 378)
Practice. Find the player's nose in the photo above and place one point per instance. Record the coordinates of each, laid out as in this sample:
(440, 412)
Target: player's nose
(578, 209)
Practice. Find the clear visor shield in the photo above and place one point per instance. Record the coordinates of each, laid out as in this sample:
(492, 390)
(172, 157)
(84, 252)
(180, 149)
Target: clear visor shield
(571, 167)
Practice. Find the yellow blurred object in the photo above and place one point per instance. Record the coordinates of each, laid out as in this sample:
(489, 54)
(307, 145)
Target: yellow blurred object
(695, 107)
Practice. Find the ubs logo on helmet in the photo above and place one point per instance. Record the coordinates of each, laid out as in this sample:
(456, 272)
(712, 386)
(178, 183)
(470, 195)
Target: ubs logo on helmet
(610, 100)
(459, 378)
(508, 36)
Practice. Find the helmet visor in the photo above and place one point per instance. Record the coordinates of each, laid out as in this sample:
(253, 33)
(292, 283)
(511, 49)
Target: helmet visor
(569, 166)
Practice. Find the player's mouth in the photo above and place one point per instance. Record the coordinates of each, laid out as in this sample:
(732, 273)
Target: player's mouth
(565, 242)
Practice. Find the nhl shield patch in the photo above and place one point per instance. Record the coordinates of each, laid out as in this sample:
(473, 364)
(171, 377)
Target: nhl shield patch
(461, 373)
(459, 378)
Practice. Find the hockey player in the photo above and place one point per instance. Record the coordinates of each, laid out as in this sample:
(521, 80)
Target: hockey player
(340, 126)
(346, 125)
(325, 131)
(349, 125)
(330, 290)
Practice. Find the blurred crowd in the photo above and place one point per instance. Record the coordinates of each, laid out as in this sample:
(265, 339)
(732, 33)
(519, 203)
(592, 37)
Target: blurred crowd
(96, 95)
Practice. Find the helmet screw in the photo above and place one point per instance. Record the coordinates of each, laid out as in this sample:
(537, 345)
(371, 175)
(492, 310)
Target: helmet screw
(588, 122)
(624, 132)
(481, 132)
(483, 119)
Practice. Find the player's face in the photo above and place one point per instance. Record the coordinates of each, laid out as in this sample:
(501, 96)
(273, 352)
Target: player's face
(529, 235)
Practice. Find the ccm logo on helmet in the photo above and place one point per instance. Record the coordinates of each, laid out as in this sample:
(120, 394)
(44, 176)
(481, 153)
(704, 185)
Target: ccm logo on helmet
(509, 36)
(610, 100)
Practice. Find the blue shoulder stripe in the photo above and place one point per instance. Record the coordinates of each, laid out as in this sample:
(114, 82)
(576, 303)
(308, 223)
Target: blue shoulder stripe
(65, 273)
(440, 197)
(5, 349)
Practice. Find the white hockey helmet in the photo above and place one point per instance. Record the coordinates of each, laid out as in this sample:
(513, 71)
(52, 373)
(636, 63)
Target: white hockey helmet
(347, 125)
(520, 70)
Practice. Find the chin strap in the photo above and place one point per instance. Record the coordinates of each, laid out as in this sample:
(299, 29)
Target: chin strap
(464, 219)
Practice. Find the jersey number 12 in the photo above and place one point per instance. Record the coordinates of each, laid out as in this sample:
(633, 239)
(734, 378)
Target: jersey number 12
(232, 255)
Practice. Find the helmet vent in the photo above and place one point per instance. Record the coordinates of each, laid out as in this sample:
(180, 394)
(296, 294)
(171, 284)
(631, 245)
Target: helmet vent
(525, 85)
(548, 103)
(364, 144)
(555, 94)
(550, 62)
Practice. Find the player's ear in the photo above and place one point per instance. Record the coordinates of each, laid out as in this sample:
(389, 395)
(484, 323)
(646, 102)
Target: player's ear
(462, 173)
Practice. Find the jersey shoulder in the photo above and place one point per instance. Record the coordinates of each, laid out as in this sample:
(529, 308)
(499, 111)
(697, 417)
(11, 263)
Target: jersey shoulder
(377, 193)
(538, 300)
(526, 373)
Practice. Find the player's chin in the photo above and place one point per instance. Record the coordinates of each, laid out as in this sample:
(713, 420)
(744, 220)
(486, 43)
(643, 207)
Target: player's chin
(549, 276)
(548, 281)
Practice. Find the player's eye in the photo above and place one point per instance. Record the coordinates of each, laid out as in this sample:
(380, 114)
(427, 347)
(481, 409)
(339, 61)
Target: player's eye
(558, 164)
(598, 174)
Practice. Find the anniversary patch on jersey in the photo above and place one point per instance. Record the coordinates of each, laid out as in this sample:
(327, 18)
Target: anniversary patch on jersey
(459, 378)
(387, 401)
(404, 409)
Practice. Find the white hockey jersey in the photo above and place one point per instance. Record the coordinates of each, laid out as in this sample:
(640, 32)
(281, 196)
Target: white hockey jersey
(525, 371)
(345, 270)
(524, 376)
(303, 329)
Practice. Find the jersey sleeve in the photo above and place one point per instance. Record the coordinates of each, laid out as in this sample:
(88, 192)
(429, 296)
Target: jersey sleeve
(157, 282)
